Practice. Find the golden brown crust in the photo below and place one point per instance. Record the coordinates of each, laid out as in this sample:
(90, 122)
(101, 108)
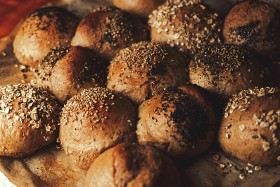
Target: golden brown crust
(250, 127)
(67, 71)
(28, 119)
(139, 7)
(132, 165)
(43, 30)
(93, 121)
(255, 24)
(226, 69)
(186, 24)
(145, 69)
(108, 30)
(180, 121)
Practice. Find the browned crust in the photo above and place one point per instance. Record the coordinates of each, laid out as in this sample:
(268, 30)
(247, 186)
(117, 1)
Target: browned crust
(93, 121)
(254, 24)
(145, 69)
(132, 165)
(43, 30)
(108, 30)
(180, 121)
(28, 120)
(250, 128)
(139, 7)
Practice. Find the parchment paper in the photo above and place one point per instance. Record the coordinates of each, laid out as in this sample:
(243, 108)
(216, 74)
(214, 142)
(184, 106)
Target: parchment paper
(52, 167)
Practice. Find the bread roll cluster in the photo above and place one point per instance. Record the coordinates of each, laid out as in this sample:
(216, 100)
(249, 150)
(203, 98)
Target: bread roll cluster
(129, 105)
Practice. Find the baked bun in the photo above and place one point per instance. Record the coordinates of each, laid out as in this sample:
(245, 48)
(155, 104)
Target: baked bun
(28, 119)
(186, 24)
(255, 24)
(179, 121)
(145, 69)
(225, 69)
(93, 121)
(132, 165)
(43, 30)
(250, 127)
(140, 7)
(107, 30)
(67, 71)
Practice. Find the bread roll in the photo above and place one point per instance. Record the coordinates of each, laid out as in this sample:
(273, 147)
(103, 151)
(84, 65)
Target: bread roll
(93, 121)
(140, 7)
(225, 70)
(108, 30)
(145, 69)
(186, 24)
(180, 122)
(67, 71)
(250, 127)
(28, 119)
(43, 30)
(255, 24)
(132, 165)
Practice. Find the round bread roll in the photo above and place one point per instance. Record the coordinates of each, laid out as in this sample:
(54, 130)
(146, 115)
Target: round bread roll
(145, 69)
(250, 127)
(255, 24)
(225, 69)
(140, 7)
(179, 121)
(93, 121)
(132, 165)
(108, 30)
(67, 71)
(28, 119)
(186, 24)
(43, 30)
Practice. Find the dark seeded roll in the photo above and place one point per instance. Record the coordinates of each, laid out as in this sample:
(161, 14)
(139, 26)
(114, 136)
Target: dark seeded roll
(43, 30)
(145, 69)
(67, 71)
(255, 24)
(179, 121)
(250, 127)
(186, 24)
(93, 121)
(28, 119)
(108, 30)
(132, 165)
(139, 7)
(225, 70)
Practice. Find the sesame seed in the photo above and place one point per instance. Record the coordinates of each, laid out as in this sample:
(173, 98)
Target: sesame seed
(190, 30)
(242, 127)
(242, 176)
